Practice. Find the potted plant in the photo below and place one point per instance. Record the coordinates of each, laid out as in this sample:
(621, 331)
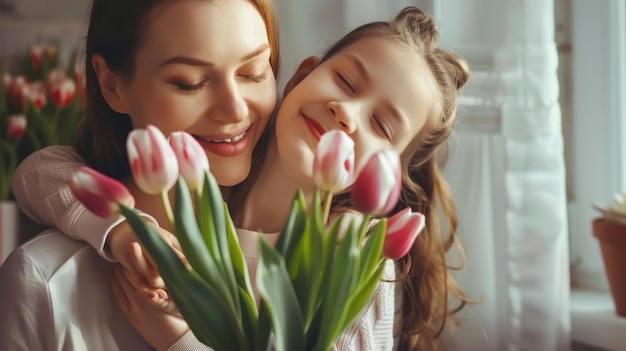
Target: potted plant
(610, 230)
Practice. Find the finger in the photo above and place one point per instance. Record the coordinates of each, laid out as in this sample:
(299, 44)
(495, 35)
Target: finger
(145, 268)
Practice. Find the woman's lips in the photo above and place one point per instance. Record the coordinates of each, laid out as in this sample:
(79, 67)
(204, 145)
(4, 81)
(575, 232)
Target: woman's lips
(315, 128)
(227, 147)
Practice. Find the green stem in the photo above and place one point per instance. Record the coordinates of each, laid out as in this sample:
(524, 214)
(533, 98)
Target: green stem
(327, 202)
(168, 208)
(363, 229)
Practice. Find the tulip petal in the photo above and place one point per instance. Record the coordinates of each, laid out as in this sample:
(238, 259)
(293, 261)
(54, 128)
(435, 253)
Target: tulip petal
(333, 165)
(152, 160)
(192, 158)
(402, 230)
(99, 193)
(376, 190)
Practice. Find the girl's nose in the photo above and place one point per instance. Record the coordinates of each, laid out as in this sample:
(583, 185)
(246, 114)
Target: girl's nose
(344, 113)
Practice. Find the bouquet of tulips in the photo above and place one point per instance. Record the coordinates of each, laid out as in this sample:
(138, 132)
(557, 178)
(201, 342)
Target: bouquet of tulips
(312, 284)
(38, 107)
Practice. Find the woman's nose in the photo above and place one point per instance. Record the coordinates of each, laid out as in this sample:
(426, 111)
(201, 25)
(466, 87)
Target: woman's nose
(344, 113)
(229, 105)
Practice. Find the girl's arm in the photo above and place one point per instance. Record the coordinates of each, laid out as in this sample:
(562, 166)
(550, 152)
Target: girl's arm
(42, 192)
(40, 186)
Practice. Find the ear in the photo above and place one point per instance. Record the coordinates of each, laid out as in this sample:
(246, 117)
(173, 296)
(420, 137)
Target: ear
(110, 84)
(306, 66)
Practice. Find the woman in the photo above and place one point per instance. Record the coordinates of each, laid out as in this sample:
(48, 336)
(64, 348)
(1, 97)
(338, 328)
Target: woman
(197, 65)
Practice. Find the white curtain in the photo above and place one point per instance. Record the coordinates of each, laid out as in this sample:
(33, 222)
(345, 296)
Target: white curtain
(506, 168)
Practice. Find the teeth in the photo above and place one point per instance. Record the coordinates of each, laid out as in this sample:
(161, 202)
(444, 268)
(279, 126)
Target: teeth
(228, 140)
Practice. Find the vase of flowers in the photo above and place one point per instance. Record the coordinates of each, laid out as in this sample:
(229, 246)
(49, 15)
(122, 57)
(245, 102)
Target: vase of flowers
(312, 283)
(610, 230)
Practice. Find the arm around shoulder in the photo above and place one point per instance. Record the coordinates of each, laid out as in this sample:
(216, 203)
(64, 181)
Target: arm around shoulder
(40, 186)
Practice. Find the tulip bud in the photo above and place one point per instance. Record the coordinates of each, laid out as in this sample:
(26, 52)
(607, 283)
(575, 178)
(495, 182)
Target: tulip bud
(333, 165)
(51, 52)
(402, 230)
(55, 77)
(16, 124)
(376, 189)
(99, 193)
(192, 158)
(62, 93)
(36, 94)
(152, 161)
(35, 56)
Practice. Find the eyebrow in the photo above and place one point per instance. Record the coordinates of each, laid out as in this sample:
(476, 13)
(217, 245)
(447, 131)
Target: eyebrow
(185, 60)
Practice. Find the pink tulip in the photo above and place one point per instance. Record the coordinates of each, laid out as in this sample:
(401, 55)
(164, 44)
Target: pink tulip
(402, 230)
(62, 93)
(16, 124)
(55, 77)
(51, 52)
(99, 193)
(192, 158)
(152, 160)
(333, 165)
(35, 56)
(376, 189)
(36, 94)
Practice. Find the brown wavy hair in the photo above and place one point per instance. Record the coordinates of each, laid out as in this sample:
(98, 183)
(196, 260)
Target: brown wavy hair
(424, 281)
(116, 29)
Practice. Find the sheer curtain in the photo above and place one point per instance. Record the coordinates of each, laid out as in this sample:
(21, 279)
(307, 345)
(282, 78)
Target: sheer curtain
(506, 166)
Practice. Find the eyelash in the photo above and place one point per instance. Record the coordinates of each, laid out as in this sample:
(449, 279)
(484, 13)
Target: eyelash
(345, 81)
(382, 128)
(256, 78)
(189, 88)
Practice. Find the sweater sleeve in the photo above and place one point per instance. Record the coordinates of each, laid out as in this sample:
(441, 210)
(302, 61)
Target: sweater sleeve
(189, 342)
(43, 194)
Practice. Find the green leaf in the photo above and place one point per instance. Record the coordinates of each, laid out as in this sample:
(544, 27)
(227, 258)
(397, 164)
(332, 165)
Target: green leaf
(372, 249)
(208, 316)
(206, 222)
(362, 295)
(193, 246)
(263, 331)
(279, 298)
(342, 283)
(215, 208)
(311, 266)
(294, 227)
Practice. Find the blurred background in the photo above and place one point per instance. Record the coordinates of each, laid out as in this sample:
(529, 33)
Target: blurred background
(541, 135)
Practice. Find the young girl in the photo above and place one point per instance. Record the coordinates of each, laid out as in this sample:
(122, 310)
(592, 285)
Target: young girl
(387, 85)
(178, 65)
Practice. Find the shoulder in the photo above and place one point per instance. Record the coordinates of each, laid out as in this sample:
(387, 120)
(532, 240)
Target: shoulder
(47, 253)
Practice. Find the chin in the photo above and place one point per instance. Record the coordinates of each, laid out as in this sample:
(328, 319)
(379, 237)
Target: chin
(230, 176)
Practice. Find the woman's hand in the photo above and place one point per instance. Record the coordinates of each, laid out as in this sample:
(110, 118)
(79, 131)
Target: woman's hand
(159, 328)
(139, 268)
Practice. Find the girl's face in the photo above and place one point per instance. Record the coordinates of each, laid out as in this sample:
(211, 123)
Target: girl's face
(204, 67)
(376, 91)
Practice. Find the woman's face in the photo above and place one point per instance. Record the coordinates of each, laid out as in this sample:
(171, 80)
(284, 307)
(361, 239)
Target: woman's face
(204, 67)
(376, 91)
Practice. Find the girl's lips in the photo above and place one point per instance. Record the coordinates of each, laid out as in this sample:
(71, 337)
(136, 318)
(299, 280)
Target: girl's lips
(315, 128)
